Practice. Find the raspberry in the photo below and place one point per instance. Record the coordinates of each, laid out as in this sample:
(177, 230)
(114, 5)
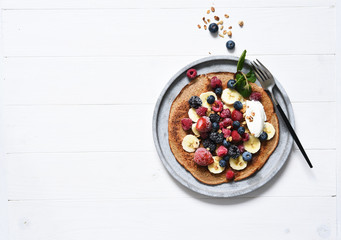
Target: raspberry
(221, 151)
(217, 137)
(203, 157)
(214, 117)
(217, 106)
(233, 151)
(191, 73)
(256, 96)
(245, 137)
(226, 113)
(241, 148)
(204, 124)
(226, 132)
(186, 124)
(225, 123)
(201, 111)
(235, 136)
(237, 116)
(216, 82)
(195, 102)
(229, 174)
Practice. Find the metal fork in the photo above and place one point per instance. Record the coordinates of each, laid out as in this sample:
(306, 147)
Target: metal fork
(268, 83)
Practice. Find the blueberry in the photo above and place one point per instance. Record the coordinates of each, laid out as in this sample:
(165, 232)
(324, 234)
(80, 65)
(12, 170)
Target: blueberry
(215, 126)
(263, 136)
(241, 130)
(213, 27)
(218, 91)
(222, 163)
(238, 105)
(210, 99)
(230, 44)
(236, 124)
(231, 83)
(247, 156)
(226, 158)
(226, 144)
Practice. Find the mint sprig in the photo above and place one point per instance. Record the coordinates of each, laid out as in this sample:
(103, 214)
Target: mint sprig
(242, 80)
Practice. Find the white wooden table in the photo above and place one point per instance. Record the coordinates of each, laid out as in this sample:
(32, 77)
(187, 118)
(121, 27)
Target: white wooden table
(79, 80)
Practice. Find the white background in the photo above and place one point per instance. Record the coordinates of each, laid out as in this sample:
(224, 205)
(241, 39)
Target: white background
(79, 80)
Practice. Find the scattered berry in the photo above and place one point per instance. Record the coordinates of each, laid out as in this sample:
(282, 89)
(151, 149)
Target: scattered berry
(238, 105)
(217, 137)
(235, 136)
(245, 137)
(226, 132)
(230, 44)
(203, 157)
(201, 111)
(214, 117)
(213, 28)
(217, 106)
(207, 143)
(221, 151)
(226, 113)
(236, 115)
(263, 136)
(191, 73)
(210, 99)
(186, 124)
(241, 130)
(225, 123)
(229, 174)
(222, 163)
(231, 83)
(216, 82)
(204, 124)
(233, 151)
(241, 148)
(195, 102)
(215, 126)
(256, 96)
(218, 91)
(226, 143)
(247, 156)
(236, 124)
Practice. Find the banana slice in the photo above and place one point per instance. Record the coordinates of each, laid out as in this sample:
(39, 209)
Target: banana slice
(229, 96)
(215, 167)
(253, 145)
(237, 163)
(190, 143)
(193, 115)
(204, 97)
(194, 130)
(269, 129)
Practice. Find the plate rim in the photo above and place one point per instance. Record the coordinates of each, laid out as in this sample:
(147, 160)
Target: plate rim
(174, 174)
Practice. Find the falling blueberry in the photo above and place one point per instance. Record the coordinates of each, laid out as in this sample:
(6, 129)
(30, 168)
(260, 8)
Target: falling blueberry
(213, 28)
(230, 44)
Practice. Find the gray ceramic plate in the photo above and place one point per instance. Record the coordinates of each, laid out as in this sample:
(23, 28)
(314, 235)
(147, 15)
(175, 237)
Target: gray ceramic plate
(160, 133)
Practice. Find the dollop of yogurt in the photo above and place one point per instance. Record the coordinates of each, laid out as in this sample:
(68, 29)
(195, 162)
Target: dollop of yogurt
(255, 117)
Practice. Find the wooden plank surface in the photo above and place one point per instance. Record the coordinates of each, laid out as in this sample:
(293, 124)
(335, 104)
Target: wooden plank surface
(149, 32)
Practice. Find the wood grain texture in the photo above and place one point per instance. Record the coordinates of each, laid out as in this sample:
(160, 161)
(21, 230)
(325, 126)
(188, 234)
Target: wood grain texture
(158, 218)
(149, 32)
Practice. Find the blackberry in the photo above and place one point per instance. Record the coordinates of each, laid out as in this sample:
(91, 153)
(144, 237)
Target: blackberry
(215, 126)
(207, 143)
(233, 151)
(214, 117)
(217, 137)
(212, 147)
(195, 102)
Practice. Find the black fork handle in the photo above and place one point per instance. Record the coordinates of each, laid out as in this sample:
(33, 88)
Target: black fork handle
(293, 134)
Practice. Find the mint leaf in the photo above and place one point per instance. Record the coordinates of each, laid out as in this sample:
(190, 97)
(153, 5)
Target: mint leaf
(251, 76)
(241, 60)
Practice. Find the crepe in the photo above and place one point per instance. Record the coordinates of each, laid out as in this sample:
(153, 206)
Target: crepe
(179, 110)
